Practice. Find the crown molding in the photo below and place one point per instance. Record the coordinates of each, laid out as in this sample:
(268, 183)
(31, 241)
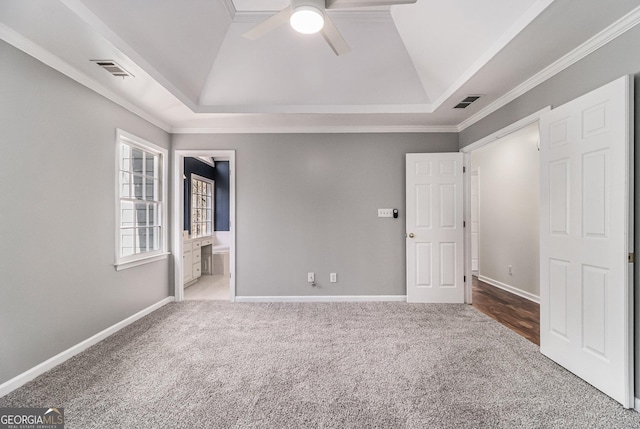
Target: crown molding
(610, 33)
(315, 108)
(39, 53)
(516, 28)
(318, 129)
(230, 8)
(503, 132)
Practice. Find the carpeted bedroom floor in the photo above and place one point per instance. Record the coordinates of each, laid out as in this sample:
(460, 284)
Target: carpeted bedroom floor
(208, 364)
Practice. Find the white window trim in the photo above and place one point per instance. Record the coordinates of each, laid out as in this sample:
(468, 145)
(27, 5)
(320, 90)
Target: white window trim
(213, 203)
(122, 263)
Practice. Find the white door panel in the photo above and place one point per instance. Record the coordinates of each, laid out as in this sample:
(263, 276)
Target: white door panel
(434, 216)
(585, 287)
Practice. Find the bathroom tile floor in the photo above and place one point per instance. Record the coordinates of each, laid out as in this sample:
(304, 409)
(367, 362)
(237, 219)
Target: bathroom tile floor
(209, 287)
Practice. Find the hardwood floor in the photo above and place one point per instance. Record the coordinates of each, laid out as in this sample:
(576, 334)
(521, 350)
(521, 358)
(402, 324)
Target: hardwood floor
(516, 313)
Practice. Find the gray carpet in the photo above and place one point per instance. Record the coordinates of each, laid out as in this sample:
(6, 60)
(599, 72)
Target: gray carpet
(205, 364)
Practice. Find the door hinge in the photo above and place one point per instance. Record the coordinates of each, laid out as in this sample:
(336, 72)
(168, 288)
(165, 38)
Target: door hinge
(632, 258)
(464, 224)
(464, 169)
(464, 279)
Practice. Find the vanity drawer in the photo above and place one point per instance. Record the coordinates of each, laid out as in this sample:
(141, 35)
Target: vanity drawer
(197, 256)
(196, 244)
(197, 271)
(186, 247)
(207, 241)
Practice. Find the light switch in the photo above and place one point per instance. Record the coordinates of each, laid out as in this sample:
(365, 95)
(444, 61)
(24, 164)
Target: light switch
(385, 212)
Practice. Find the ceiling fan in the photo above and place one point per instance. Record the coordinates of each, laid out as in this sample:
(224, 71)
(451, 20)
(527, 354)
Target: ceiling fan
(310, 16)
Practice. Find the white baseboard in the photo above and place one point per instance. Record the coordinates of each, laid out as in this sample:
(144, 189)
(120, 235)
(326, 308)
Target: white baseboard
(509, 288)
(324, 298)
(637, 404)
(25, 377)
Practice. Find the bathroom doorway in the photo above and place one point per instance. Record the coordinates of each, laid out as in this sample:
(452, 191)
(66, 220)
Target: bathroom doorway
(204, 230)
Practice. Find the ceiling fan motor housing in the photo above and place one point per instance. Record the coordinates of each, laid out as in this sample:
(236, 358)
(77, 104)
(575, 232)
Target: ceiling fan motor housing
(318, 4)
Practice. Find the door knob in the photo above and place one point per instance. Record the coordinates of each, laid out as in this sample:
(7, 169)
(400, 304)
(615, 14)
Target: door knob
(411, 235)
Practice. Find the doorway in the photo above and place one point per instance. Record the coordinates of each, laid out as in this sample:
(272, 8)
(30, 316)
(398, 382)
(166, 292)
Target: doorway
(203, 241)
(503, 233)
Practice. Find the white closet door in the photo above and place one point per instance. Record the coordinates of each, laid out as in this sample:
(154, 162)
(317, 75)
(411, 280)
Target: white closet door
(434, 222)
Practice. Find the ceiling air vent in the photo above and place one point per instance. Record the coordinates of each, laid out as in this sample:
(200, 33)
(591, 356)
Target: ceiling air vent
(113, 68)
(467, 101)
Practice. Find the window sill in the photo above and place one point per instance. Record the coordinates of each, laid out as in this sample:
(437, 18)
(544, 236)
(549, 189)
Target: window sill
(142, 261)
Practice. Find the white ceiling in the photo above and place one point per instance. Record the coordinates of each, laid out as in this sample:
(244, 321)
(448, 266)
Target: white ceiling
(408, 65)
(304, 71)
(259, 5)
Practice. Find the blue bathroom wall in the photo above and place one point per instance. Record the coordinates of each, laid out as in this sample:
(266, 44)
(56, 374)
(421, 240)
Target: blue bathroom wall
(219, 174)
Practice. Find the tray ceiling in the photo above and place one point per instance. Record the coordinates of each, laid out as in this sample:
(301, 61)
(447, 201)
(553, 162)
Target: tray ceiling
(408, 66)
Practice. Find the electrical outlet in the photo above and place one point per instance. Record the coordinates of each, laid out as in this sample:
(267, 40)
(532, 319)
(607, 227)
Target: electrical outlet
(333, 278)
(510, 270)
(385, 212)
(311, 277)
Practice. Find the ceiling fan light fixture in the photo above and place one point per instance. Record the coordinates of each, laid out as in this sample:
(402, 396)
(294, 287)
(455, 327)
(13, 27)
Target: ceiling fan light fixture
(307, 19)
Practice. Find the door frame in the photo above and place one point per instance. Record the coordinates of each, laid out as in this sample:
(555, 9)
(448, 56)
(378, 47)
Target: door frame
(534, 117)
(474, 172)
(177, 212)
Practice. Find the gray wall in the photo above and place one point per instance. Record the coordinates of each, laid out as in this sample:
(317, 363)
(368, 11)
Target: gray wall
(308, 202)
(509, 200)
(57, 215)
(618, 58)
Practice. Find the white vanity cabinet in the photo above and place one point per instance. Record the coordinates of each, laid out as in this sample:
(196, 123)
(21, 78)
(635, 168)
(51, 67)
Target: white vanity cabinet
(196, 266)
(192, 258)
(187, 262)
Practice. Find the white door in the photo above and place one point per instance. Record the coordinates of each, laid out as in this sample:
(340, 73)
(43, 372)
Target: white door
(475, 224)
(586, 301)
(434, 222)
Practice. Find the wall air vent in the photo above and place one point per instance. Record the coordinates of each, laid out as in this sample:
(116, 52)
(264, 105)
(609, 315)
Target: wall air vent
(112, 67)
(467, 101)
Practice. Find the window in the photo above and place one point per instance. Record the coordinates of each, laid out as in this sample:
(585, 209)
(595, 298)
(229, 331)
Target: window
(141, 209)
(201, 206)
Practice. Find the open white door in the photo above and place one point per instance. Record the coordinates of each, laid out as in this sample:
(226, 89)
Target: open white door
(586, 295)
(434, 222)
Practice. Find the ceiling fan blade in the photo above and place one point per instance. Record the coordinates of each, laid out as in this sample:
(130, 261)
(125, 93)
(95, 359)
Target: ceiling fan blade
(268, 24)
(333, 37)
(338, 4)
